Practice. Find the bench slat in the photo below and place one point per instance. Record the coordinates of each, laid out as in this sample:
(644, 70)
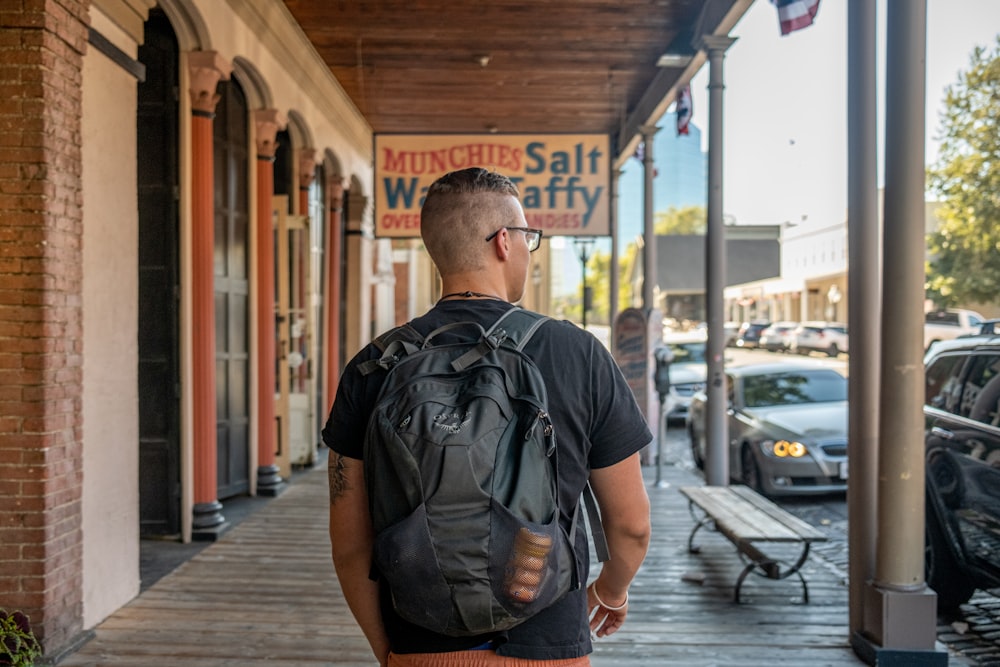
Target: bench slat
(742, 515)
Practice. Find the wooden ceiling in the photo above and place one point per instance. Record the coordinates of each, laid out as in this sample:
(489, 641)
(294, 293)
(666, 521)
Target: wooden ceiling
(511, 66)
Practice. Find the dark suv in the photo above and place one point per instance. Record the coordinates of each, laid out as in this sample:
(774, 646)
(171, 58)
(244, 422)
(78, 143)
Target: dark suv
(962, 447)
(749, 333)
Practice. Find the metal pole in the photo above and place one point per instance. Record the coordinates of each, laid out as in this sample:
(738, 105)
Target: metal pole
(900, 562)
(864, 241)
(900, 612)
(648, 237)
(583, 249)
(613, 278)
(660, 419)
(717, 451)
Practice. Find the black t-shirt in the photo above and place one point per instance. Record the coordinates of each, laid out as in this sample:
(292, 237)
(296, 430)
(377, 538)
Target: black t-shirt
(597, 424)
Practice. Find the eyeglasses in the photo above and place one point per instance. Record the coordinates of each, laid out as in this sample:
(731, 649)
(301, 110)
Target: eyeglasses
(532, 236)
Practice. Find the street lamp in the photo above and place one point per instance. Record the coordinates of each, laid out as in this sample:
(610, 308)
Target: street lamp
(536, 280)
(833, 296)
(583, 247)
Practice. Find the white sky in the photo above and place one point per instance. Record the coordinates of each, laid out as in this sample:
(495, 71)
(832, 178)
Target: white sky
(785, 105)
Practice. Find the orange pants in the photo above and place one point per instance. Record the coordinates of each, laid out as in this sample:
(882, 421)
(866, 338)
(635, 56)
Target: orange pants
(477, 659)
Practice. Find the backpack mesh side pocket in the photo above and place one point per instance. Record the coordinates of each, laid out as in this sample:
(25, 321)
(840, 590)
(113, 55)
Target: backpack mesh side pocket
(419, 591)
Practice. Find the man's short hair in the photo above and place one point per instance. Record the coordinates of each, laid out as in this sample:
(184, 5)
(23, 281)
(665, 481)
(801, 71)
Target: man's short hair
(474, 180)
(460, 210)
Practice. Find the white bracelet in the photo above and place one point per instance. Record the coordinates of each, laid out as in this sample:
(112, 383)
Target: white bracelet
(593, 588)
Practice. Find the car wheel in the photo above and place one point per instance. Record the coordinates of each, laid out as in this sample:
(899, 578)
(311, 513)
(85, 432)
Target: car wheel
(941, 570)
(750, 471)
(697, 447)
(833, 351)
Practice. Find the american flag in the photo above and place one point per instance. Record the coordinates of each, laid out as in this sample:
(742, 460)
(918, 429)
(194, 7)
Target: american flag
(684, 110)
(795, 14)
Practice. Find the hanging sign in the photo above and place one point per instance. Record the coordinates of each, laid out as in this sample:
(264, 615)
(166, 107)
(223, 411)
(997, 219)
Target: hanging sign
(563, 178)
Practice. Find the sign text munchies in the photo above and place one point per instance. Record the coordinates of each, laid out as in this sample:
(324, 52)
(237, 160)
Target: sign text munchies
(563, 179)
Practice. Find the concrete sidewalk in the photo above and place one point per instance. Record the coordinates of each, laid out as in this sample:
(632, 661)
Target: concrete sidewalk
(265, 594)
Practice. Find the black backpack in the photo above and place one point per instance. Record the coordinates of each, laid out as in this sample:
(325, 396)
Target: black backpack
(462, 474)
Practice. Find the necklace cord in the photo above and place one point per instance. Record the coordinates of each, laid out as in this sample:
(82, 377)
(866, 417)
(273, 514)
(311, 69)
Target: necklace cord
(469, 294)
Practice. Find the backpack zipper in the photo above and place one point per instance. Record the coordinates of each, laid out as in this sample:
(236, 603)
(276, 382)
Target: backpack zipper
(543, 417)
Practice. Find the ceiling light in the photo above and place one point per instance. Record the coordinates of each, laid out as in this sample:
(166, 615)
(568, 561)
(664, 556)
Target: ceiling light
(484, 59)
(674, 60)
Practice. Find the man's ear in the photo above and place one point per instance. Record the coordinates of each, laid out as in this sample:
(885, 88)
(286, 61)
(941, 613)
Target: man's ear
(501, 245)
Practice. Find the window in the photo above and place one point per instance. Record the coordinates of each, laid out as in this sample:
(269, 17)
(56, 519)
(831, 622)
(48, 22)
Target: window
(981, 396)
(791, 388)
(941, 382)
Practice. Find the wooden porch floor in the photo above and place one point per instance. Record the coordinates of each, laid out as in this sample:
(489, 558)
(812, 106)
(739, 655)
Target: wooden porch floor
(265, 594)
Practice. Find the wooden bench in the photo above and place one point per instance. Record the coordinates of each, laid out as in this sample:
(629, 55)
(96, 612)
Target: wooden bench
(747, 519)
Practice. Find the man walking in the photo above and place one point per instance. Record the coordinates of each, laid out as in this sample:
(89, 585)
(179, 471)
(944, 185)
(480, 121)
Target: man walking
(474, 229)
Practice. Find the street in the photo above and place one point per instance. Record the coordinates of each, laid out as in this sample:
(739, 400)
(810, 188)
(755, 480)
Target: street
(975, 633)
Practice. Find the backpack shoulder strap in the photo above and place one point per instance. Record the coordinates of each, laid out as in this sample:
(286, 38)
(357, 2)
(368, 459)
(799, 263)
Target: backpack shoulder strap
(394, 344)
(512, 330)
(596, 526)
(518, 325)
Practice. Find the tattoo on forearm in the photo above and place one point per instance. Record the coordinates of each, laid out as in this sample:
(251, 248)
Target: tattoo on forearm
(338, 480)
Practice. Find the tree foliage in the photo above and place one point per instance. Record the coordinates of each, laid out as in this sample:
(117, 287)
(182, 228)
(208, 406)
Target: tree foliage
(686, 220)
(599, 280)
(964, 265)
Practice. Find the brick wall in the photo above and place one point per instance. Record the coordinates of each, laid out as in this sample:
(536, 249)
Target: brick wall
(41, 50)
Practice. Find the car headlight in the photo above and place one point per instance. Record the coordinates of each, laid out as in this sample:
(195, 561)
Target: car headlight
(784, 448)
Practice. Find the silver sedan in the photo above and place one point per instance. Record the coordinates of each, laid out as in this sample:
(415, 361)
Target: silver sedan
(787, 428)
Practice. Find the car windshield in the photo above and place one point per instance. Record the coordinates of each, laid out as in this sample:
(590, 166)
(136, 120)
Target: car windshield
(688, 352)
(789, 388)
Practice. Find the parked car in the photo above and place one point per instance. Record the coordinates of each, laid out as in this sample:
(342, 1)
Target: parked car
(787, 428)
(989, 327)
(749, 333)
(731, 331)
(829, 338)
(962, 449)
(949, 324)
(687, 370)
(777, 337)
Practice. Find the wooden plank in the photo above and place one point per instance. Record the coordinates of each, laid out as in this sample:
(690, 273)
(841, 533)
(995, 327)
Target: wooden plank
(266, 594)
(807, 531)
(743, 515)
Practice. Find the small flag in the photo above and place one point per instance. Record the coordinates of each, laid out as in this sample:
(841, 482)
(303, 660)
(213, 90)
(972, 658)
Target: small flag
(640, 151)
(795, 14)
(684, 110)
(640, 155)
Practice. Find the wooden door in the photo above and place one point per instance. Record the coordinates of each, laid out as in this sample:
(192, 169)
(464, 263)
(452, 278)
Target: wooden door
(295, 386)
(158, 326)
(232, 290)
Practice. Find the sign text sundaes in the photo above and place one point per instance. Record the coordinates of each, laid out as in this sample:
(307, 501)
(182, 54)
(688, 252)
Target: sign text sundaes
(563, 179)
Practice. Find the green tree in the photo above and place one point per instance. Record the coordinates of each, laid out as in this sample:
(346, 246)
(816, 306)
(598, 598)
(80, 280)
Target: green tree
(599, 280)
(687, 220)
(964, 265)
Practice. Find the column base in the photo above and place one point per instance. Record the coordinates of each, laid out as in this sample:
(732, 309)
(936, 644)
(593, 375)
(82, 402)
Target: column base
(208, 524)
(873, 654)
(900, 628)
(269, 482)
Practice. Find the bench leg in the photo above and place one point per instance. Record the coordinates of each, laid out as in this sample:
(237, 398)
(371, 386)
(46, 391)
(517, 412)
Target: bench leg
(772, 570)
(692, 547)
